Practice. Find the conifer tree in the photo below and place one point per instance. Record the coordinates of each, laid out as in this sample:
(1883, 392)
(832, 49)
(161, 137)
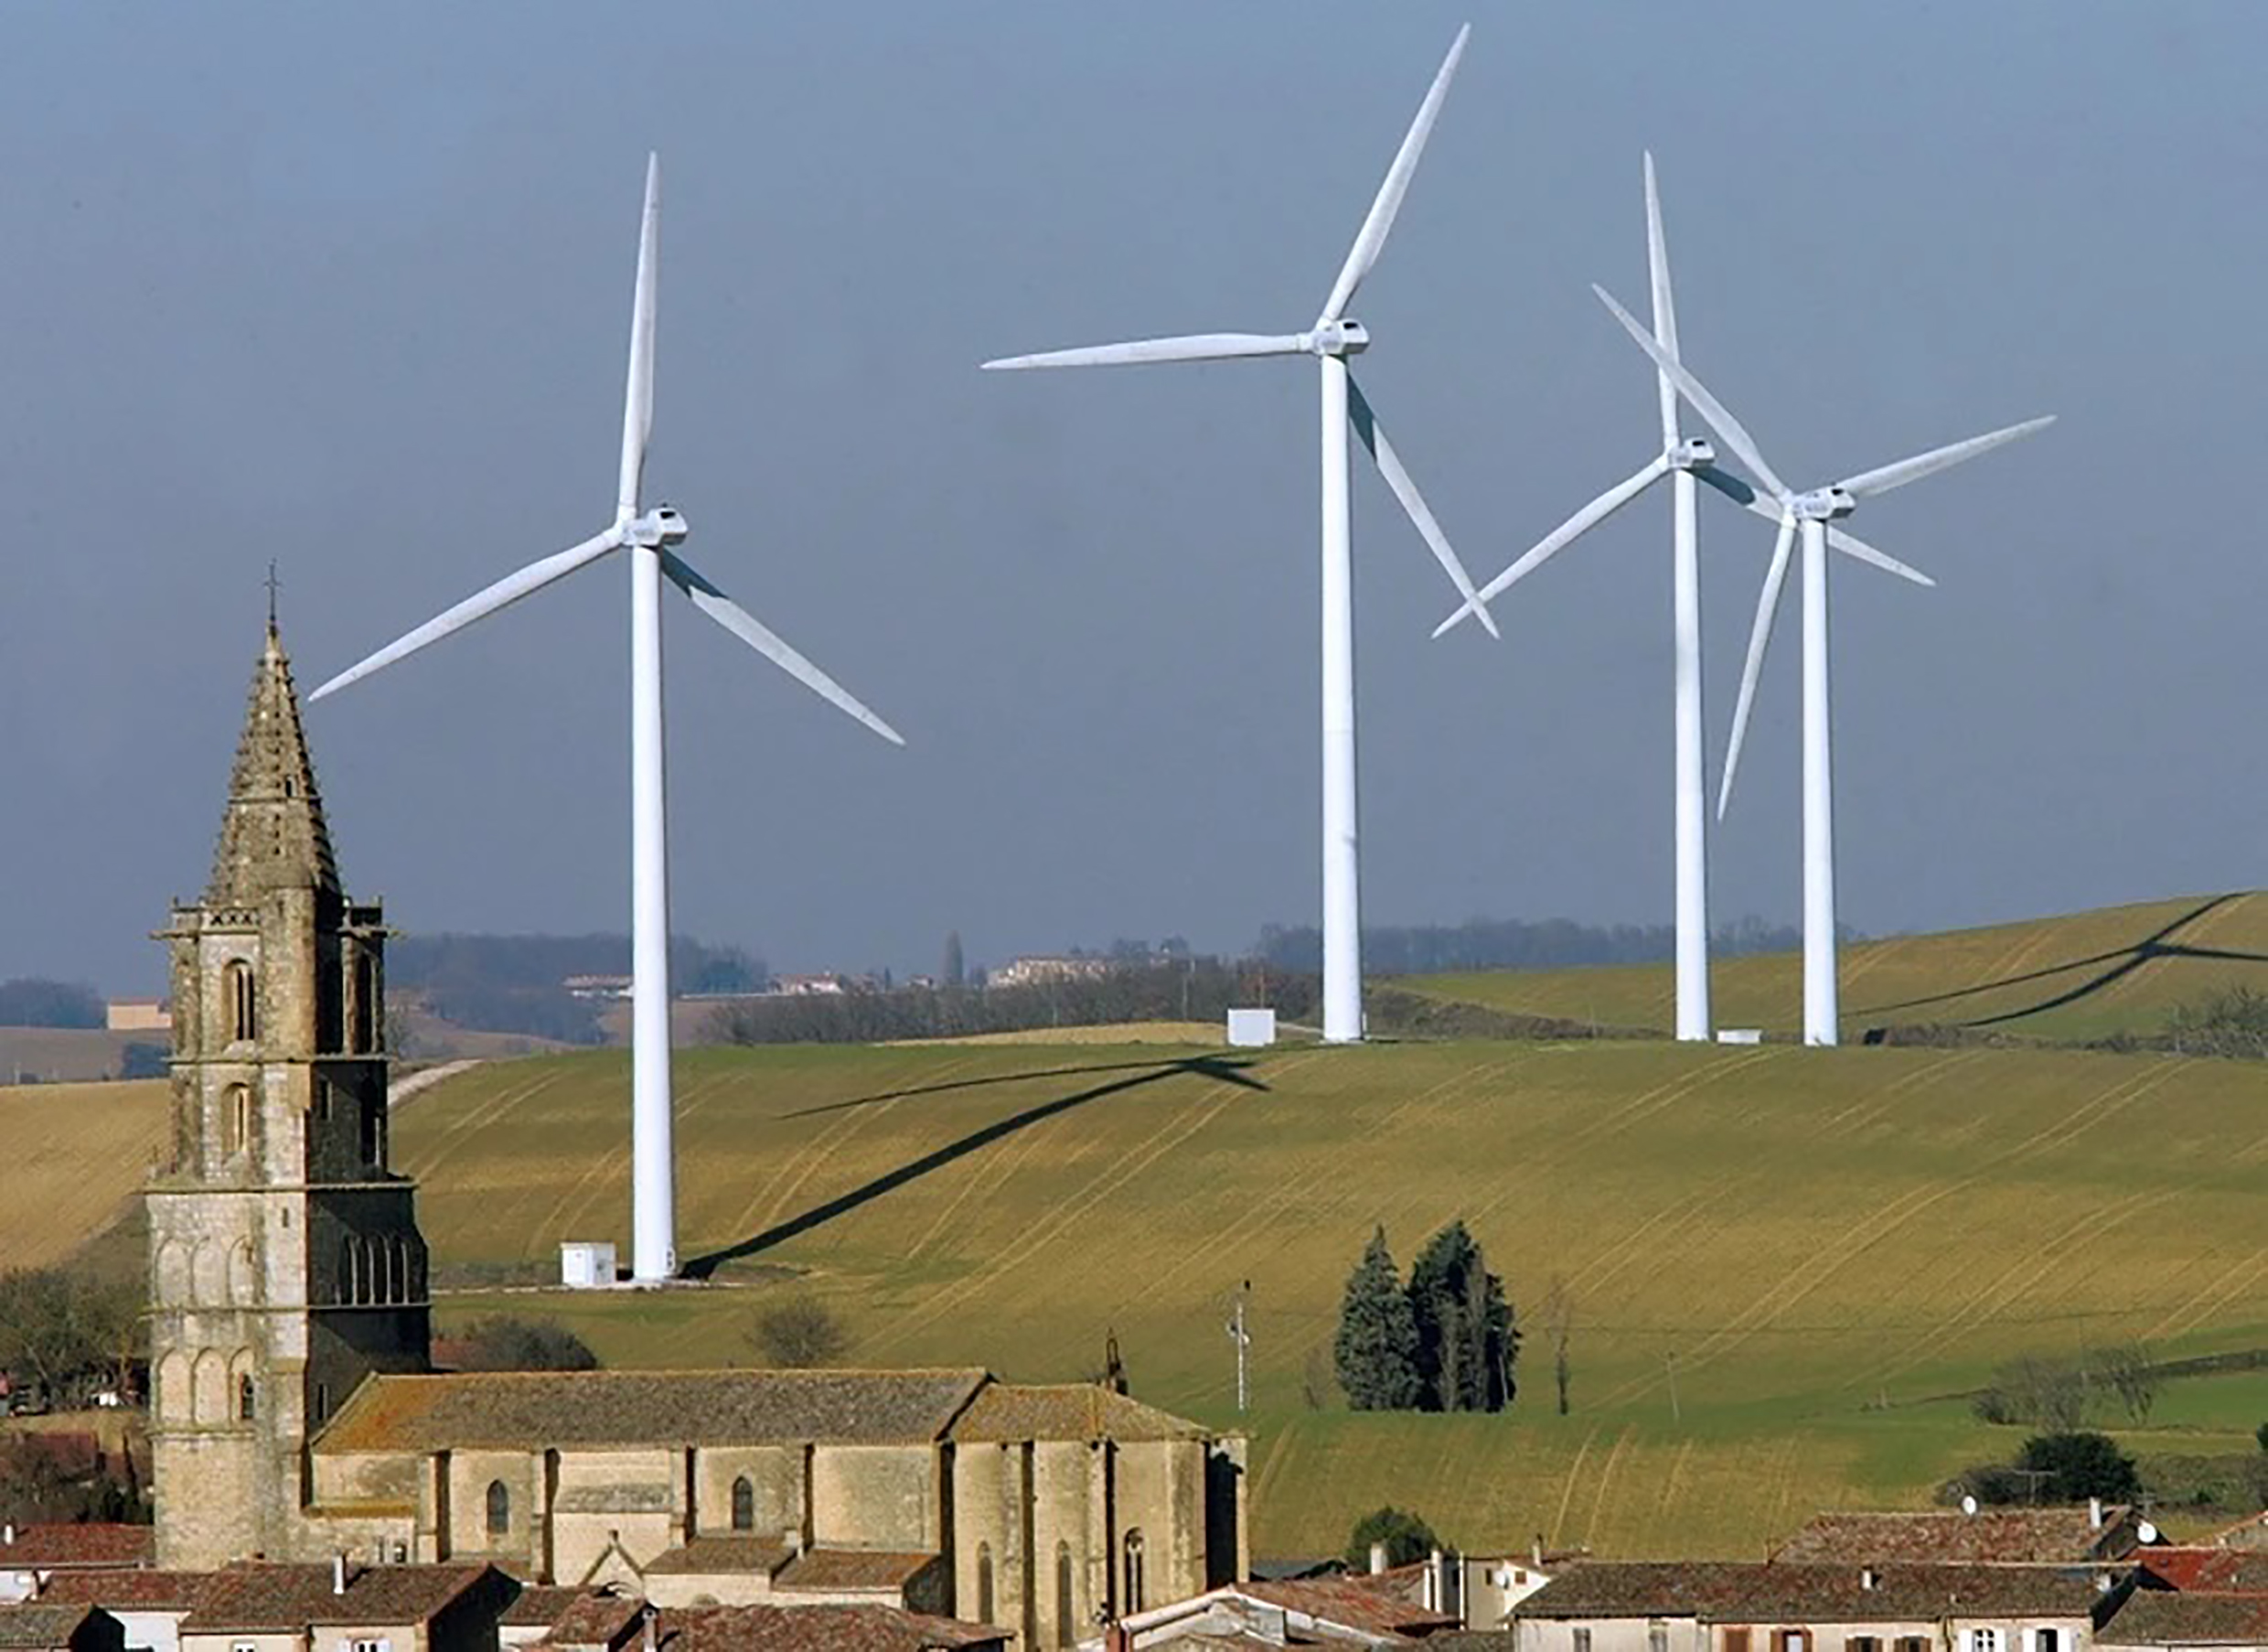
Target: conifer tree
(1466, 1338)
(1377, 1342)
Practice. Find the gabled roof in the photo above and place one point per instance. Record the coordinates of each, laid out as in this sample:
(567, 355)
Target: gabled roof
(254, 1595)
(705, 1556)
(569, 1409)
(2158, 1618)
(815, 1629)
(38, 1547)
(35, 1627)
(2204, 1571)
(1736, 1592)
(1068, 1411)
(595, 1618)
(1991, 1537)
(1352, 1602)
(274, 835)
(540, 1604)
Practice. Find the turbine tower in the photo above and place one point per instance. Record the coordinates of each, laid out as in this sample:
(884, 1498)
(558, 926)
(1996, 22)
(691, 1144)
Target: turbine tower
(1685, 460)
(1332, 340)
(1811, 510)
(649, 537)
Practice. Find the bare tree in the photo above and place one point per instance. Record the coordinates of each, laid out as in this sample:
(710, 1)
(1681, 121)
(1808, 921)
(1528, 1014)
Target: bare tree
(1558, 1316)
(799, 1334)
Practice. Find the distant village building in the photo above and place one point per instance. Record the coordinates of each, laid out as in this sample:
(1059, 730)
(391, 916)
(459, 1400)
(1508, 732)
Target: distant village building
(597, 987)
(295, 1415)
(821, 985)
(1043, 970)
(137, 1015)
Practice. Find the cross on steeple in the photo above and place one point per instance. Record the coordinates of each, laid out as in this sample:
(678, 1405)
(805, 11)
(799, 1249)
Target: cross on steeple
(274, 585)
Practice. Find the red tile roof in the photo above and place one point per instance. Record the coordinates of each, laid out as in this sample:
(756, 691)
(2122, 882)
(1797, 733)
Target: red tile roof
(817, 1629)
(2205, 1571)
(133, 1590)
(540, 1604)
(1734, 1592)
(38, 1547)
(852, 1568)
(1991, 1537)
(257, 1595)
(595, 1619)
(2159, 1618)
(714, 1554)
(1352, 1601)
(39, 1627)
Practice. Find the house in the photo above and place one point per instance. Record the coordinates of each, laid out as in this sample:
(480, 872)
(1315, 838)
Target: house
(28, 1627)
(2202, 1571)
(137, 1015)
(818, 1629)
(149, 1604)
(2078, 1535)
(1041, 970)
(30, 1555)
(823, 984)
(1344, 1611)
(256, 1606)
(1778, 1607)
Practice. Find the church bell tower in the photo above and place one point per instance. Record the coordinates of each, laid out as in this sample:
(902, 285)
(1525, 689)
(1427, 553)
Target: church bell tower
(285, 1263)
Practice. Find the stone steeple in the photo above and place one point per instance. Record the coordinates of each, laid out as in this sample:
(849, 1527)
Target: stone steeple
(274, 835)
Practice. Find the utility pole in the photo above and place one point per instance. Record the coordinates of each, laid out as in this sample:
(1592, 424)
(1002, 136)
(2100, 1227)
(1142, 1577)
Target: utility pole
(1242, 1337)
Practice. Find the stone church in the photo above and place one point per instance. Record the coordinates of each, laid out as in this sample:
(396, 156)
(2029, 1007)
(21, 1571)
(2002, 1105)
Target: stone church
(295, 1413)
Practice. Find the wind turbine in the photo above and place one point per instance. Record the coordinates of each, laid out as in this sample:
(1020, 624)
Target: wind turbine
(1334, 337)
(649, 537)
(1811, 510)
(1685, 460)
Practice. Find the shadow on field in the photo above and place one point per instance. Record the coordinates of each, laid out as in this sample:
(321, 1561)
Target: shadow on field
(1012, 1076)
(1219, 1068)
(2122, 961)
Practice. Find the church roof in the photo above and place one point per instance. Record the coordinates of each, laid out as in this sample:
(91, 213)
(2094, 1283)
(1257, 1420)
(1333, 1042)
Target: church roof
(563, 1409)
(273, 835)
(257, 1595)
(1067, 1410)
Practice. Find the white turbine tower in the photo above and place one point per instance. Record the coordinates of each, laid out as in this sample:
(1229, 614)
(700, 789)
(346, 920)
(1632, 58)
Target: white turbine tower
(1332, 340)
(1811, 510)
(1685, 460)
(648, 537)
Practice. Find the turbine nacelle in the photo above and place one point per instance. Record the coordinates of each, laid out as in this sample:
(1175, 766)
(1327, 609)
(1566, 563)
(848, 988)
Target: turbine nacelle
(1340, 337)
(1822, 505)
(659, 527)
(1691, 454)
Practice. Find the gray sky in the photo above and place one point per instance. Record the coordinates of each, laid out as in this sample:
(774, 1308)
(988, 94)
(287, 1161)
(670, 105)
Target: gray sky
(350, 291)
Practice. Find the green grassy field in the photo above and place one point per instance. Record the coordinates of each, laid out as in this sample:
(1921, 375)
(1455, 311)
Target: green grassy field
(1828, 1242)
(2084, 976)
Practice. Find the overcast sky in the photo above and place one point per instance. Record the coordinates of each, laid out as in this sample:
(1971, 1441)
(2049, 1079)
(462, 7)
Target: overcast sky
(349, 289)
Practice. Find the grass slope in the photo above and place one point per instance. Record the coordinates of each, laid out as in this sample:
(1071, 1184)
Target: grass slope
(1827, 1241)
(2085, 976)
(74, 1152)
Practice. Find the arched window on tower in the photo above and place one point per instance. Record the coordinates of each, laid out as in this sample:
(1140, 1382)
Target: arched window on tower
(243, 1001)
(744, 1505)
(1133, 1601)
(236, 1119)
(499, 1508)
(247, 1400)
(346, 1271)
(984, 1583)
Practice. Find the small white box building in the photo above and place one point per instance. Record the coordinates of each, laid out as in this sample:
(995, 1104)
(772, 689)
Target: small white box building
(1252, 1029)
(586, 1264)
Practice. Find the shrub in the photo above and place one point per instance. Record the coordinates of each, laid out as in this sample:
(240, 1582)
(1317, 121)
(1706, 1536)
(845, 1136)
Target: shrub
(2077, 1467)
(799, 1334)
(502, 1342)
(1406, 1537)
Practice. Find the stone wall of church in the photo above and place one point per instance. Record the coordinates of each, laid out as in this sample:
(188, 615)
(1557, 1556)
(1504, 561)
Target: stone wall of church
(877, 1497)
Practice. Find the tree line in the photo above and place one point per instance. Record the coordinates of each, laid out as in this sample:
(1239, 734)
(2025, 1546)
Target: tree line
(514, 983)
(1444, 1341)
(1511, 943)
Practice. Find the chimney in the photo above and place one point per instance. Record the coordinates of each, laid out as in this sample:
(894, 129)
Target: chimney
(1868, 1577)
(1377, 1558)
(2094, 1512)
(1536, 1552)
(649, 1614)
(7, 1535)
(1429, 1595)
(338, 1572)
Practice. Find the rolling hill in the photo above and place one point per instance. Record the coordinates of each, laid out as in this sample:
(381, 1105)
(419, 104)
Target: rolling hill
(2086, 976)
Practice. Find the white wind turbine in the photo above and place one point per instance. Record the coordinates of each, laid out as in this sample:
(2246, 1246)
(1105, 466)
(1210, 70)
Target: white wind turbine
(1811, 510)
(1685, 460)
(1334, 337)
(648, 536)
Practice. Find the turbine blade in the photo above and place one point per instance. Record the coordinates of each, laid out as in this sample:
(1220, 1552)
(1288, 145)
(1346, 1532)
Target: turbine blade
(1371, 240)
(480, 605)
(1720, 419)
(637, 396)
(1760, 638)
(768, 643)
(1565, 535)
(1665, 305)
(1390, 466)
(1884, 477)
(1861, 551)
(1189, 347)
(1736, 491)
